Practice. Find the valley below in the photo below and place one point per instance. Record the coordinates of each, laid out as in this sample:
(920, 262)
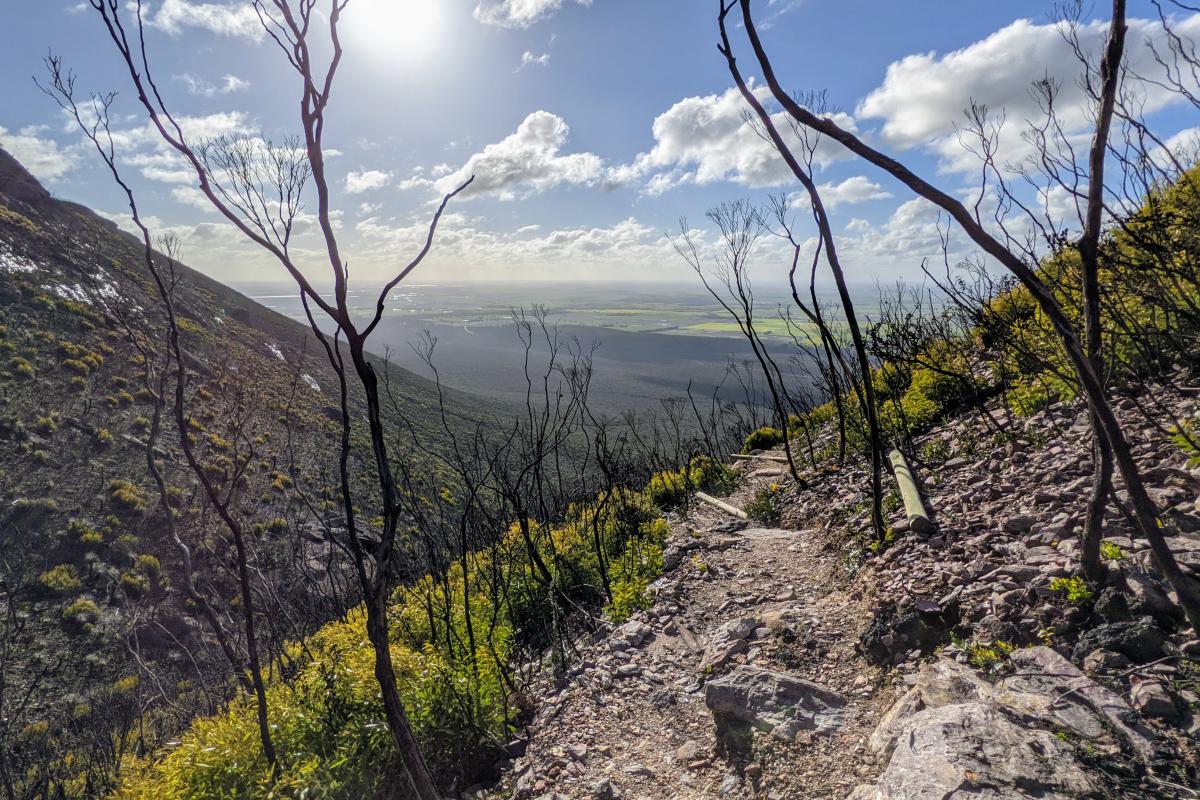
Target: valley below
(646, 342)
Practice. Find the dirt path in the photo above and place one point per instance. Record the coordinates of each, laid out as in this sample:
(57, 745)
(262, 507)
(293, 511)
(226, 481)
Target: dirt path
(632, 720)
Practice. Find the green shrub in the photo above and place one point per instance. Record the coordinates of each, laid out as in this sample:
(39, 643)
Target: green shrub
(21, 368)
(986, 656)
(628, 596)
(671, 488)
(77, 367)
(709, 475)
(119, 400)
(1185, 436)
(148, 565)
(84, 532)
(326, 718)
(218, 443)
(935, 451)
(127, 496)
(35, 733)
(28, 508)
(762, 439)
(60, 580)
(765, 507)
(80, 616)
(10, 217)
(667, 489)
(134, 585)
(1074, 588)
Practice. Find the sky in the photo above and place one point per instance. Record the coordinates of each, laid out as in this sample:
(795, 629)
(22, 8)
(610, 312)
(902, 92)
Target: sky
(593, 127)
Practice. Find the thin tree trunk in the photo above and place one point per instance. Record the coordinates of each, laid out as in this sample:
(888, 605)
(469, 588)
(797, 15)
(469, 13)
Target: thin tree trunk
(839, 277)
(376, 605)
(1089, 257)
(1187, 589)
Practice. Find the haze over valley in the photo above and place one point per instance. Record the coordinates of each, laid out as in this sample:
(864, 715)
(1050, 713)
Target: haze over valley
(651, 340)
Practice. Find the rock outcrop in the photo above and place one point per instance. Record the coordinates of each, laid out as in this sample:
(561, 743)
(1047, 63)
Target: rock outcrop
(750, 698)
(955, 735)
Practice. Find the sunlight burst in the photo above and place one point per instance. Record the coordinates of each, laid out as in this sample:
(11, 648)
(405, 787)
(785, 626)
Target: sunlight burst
(395, 28)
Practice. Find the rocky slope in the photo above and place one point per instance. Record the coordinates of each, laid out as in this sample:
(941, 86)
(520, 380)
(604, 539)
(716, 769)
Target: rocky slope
(791, 663)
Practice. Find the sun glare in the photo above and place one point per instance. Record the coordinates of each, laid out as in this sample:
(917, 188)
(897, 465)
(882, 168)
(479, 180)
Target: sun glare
(395, 28)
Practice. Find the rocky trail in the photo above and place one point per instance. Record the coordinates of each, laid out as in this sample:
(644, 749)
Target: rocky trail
(754, 612)
(788, 662)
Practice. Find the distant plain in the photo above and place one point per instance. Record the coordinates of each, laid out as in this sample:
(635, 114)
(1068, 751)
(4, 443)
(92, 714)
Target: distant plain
(651, 340)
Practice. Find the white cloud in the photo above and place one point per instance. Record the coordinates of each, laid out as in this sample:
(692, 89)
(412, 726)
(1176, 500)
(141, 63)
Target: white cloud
(707, 139)
(202, 88)
(41, 156)
(530, 58)
(896, 246)
(518, 13)
(227, 19)
(359, 182)
(776, 9)
(1182, 148)
(858, 189)
(627, 248)
(527, 161)
(191, 196)
(142, 147)
(923, 96)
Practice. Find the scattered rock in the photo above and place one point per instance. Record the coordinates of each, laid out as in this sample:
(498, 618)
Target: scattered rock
(1152, 699)
(1147, 598)
(1019, 523)
(605, 790)
(1102, 662)
(634, 633)
(688, 751)
(1140, 640)
(773, 702)
(726, 642)
(895, 633)
(1112, 606)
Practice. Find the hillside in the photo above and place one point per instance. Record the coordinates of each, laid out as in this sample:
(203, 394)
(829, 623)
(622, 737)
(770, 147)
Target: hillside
(91, 581)
(790, 662)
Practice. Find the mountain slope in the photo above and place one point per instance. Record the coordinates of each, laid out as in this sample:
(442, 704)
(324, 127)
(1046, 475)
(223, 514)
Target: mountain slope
(91, 584)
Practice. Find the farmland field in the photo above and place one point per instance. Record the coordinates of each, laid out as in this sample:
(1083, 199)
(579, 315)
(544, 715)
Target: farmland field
(652, 341)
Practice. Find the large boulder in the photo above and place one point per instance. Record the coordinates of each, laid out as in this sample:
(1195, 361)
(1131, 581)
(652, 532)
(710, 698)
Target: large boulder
(974, 751)
(1140, 640)
(963, 751)
(1046, 686)
(897, 630)
(750, 698)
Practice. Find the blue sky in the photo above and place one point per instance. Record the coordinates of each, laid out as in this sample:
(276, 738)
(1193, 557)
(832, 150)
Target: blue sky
(592, 127)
